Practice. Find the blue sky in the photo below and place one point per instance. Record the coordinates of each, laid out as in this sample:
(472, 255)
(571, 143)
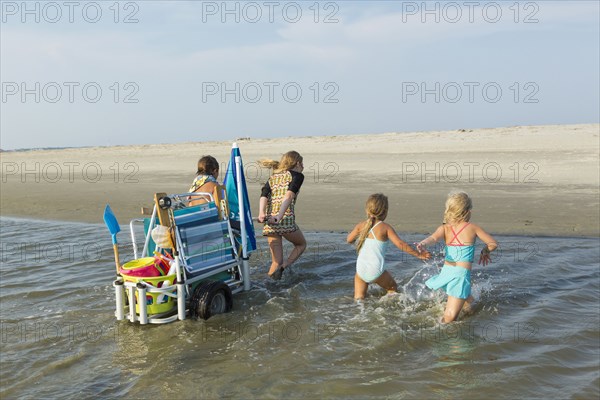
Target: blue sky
(373, 67)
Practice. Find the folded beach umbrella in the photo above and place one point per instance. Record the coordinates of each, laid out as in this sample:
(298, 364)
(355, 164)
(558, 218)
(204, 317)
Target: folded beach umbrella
(236, 187)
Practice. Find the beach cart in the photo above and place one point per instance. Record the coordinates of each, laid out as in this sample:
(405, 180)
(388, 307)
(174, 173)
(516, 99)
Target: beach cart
(194, 258)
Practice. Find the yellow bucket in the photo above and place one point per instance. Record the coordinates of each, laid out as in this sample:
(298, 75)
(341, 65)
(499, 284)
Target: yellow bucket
(156, 303)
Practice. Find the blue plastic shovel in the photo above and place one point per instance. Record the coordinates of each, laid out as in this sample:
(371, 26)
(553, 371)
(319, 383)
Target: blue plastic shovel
(113, 226)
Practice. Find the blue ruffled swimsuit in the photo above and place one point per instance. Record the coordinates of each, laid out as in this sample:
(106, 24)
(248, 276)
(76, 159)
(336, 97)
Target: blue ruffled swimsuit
(455, 280)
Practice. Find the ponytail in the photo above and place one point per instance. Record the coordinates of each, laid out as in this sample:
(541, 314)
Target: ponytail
(364, 233)
(287, 162)
(376, 209)
(267, 163)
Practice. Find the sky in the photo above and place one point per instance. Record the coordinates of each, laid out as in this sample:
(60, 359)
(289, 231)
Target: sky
(89, 73)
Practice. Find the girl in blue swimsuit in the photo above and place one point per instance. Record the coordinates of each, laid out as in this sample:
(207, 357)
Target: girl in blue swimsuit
(459, 235)
(373, 237)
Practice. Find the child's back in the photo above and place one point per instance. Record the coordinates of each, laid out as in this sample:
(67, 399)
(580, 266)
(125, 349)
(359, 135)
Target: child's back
(379, 231)
(372, 237)
(370, 263)
(459, 235)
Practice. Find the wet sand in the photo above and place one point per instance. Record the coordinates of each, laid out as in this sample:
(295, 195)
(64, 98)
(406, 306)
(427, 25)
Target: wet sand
(532, 180)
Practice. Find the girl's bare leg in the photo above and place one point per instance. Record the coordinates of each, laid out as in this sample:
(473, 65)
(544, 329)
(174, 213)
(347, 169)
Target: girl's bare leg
(453, 307)
(297, 239)
(467, 307)
(276, 247)
(360, 288)
(387, 282)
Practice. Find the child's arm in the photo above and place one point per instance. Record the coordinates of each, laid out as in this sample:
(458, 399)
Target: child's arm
(434, 238)
(490, 245)
(265, 192)
(353, 235)
(287, 200)
(405, 247)
(262, 209)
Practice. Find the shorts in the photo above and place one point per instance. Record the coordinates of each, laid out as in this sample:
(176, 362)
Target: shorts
(455, 281)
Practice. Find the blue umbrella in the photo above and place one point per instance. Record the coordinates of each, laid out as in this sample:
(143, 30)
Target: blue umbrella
(231, 185)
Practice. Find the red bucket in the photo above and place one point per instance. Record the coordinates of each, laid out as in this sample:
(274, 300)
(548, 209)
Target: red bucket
(147, 267)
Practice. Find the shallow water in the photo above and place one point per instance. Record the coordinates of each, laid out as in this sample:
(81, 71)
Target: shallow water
(534, 333)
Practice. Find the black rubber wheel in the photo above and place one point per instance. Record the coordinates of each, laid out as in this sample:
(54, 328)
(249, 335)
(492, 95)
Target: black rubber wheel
(210, 298)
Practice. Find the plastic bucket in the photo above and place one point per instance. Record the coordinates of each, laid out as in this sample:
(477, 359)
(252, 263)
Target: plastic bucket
(146, 267)
(151, 270)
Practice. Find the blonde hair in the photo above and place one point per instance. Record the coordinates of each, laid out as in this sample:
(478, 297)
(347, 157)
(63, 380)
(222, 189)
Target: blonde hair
(458, 206)
(287, 162)
(376, 209)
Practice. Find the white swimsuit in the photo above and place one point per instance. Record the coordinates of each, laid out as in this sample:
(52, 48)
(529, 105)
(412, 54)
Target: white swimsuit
(370, 263)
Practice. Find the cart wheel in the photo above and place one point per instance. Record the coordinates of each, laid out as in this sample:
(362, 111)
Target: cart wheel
(210, 298)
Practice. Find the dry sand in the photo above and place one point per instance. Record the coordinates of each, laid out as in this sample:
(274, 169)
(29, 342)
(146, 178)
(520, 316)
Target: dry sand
(533, 180)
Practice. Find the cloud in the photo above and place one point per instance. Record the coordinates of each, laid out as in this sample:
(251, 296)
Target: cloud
(405, 28)
(369, 51)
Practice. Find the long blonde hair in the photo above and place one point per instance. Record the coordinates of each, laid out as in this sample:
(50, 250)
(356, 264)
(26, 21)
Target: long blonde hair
(376, 209)
(458, 206)
(287, 162)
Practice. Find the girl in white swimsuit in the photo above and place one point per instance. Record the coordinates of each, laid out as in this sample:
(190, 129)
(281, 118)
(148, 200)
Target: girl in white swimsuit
(372, 237)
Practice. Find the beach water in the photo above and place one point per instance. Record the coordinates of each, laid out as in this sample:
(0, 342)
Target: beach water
(534, 333)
